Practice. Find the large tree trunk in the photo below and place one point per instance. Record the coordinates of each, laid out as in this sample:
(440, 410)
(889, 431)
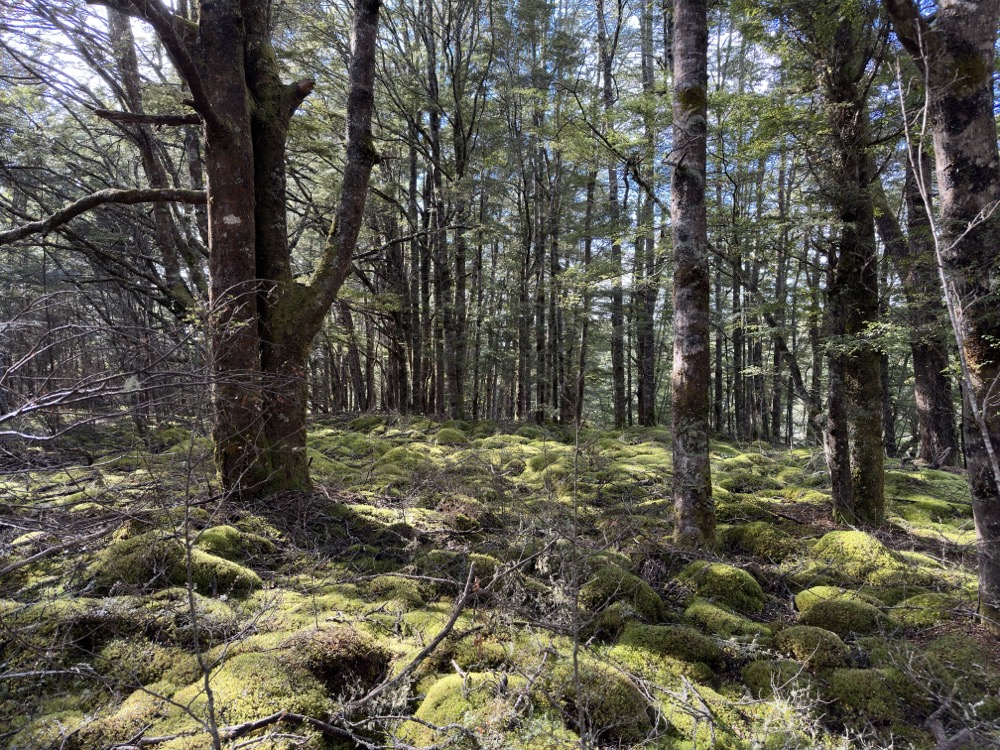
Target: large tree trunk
(262, 321)
(956, 53)
(692, 489)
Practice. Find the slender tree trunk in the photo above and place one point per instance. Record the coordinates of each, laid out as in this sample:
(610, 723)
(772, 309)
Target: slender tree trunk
(692, 490)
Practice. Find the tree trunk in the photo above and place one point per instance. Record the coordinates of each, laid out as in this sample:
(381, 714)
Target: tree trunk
(692, 488)
(956, 54)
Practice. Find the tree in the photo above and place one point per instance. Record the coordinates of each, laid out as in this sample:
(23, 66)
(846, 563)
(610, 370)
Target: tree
(695, 514)
(262, 319)
(954, 51)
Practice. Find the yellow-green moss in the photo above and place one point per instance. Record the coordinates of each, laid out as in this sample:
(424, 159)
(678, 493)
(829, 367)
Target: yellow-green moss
(721, 621)
(600, 697)
(611, 584)
(807, 598)
(346, 661)
(406, 591)
(157, 561)
(677, 641)
(865, 695)
(766, 677)
(450, 436)
(760, 539)
(860, 555)
(925, 610)
(815, 647)
(231, 543)
(724, 584)
(483, 702)
(845, 616)
(249, 686)
(748, 483)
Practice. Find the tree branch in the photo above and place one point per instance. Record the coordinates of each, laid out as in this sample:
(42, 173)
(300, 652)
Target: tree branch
(144, 119)
(72, 210)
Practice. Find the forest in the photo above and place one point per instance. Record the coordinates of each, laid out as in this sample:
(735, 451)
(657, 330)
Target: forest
(530, 374)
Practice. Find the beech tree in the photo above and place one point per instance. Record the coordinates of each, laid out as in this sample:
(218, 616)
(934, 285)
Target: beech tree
(692, 491)
(262, 319)
(954, 51)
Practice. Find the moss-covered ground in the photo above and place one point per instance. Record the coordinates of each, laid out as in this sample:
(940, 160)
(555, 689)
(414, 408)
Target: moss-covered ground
(138, 605)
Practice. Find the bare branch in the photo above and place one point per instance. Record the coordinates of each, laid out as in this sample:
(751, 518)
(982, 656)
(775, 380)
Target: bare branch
(72, 210)
(143, 119)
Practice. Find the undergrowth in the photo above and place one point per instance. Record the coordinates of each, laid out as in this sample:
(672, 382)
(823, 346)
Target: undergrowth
(136, 604)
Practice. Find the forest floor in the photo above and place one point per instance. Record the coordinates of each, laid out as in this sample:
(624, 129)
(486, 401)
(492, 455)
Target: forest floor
(483, 587)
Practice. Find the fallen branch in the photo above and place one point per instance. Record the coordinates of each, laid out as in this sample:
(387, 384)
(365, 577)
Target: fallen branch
(133, 118)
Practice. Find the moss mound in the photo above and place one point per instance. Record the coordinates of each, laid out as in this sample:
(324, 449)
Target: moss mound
(766, 678)
(721, 621)
(153, 561)
(231, 543)
(346, 661)
(815, 647)
(725, 584)
(478, 701)
(677, 641)
(760, 539)
(861, 556)
(866, 695)
(613, 585)
(845, 616)
(450, 436)
(599, 697)
(748, 483)
(808, 598)
(926, 610)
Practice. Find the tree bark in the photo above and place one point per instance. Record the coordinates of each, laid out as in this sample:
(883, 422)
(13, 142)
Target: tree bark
(692, 488)
(956, 55)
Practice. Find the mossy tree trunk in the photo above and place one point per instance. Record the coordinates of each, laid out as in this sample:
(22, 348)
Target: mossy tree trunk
(263, 321)
(955, 53)
(692, 490)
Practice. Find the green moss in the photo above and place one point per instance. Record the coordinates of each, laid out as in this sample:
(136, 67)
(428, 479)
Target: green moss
(748, 483)
(599, 696)
(807, 598)
(249, 686)
(366, 423)
(767, 678)
(542, 461)
(152, 560)
(845, 616)
(724, 584)
(925, 610)
(815, 647)
(760, 539)
(677, 641)
(862, 556)
(135, 661)
(346, 662)
(721, 621)
(450, 436)
(865, 695)
(396, 588)
(483, 702)
(231, 543)
(611, 584)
